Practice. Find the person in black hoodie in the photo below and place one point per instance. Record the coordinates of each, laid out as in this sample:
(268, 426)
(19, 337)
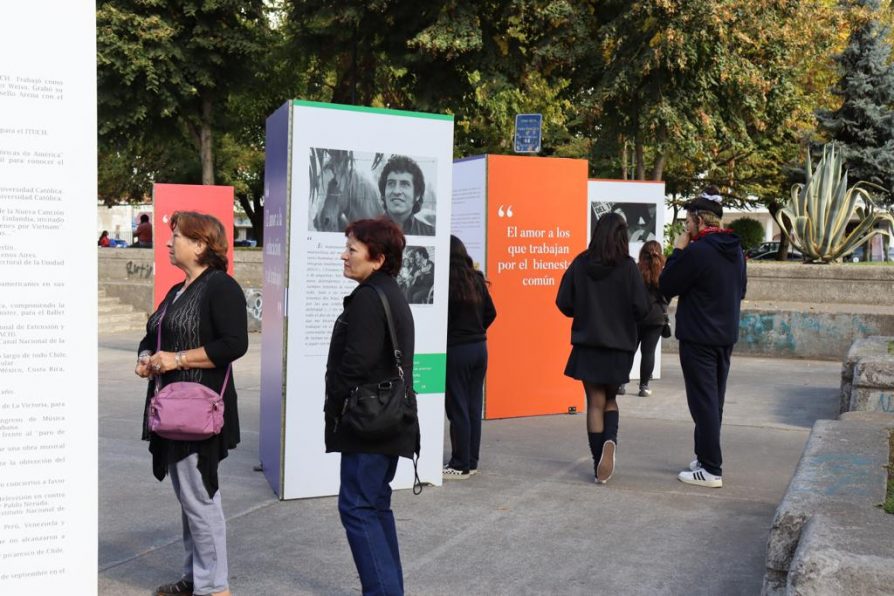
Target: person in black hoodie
(360, 352)
(603, 292)
(707, 271)
(470, 311)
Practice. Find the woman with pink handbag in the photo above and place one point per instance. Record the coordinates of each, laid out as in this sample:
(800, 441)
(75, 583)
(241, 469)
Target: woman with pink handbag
(199, 329)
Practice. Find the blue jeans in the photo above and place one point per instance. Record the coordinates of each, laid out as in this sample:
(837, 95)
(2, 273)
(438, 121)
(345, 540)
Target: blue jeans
(364, 503)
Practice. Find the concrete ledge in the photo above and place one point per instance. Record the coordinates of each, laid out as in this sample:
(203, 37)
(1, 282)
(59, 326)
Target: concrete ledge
(867, 376)
(831, 506)
(819, 284)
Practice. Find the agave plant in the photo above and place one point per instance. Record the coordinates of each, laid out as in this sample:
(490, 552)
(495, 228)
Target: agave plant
(815, 218)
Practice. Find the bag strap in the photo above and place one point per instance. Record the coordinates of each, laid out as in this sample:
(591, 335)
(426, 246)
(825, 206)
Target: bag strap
(398, 355)
(158, 349)
(417, 483)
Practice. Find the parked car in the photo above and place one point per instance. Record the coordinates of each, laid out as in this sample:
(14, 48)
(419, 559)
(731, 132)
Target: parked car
(770, 255)
(763, 248)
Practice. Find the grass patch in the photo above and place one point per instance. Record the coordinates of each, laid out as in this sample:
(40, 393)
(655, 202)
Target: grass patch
(889, 498)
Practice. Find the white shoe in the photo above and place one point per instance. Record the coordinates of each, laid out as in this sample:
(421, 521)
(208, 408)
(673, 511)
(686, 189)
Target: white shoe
(454, 474)
(606, 466)
(694, 465)
(700, 477)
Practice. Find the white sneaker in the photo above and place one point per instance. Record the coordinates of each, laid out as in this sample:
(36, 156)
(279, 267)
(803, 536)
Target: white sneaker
(454, 474)
(700, 477)
(694, 465)
(606, 466)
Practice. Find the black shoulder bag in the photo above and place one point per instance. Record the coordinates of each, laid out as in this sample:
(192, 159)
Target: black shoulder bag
(385, 409)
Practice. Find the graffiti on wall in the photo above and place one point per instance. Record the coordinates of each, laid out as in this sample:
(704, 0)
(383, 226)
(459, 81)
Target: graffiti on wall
(142, 270)
(254, 304)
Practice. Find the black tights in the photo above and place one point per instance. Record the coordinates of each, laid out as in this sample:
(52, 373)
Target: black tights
(600, 399)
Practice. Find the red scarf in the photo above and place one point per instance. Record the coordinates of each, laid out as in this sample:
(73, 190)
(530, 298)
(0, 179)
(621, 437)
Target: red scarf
(711, 230)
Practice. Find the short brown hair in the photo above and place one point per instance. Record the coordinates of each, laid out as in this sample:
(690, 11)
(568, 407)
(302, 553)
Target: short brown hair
(381, 237)
(202, 227)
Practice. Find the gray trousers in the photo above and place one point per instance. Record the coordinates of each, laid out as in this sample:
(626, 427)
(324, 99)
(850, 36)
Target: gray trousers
(204, 528)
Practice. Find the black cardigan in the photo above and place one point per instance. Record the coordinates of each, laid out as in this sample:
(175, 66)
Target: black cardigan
(210, 313)
(360, 352)
(606, 302)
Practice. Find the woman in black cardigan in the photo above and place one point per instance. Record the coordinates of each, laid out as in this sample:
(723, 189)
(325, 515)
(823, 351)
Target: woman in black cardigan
(203, 330)
(604, 293)
(360, 352)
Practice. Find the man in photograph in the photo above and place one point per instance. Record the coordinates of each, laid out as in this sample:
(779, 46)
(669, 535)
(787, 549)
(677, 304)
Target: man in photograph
(402, 187)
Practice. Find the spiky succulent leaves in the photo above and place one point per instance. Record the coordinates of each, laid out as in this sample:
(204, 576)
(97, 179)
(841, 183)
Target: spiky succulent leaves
(815, 218)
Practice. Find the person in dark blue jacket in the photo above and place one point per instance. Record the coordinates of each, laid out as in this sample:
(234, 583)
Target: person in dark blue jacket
(603, 292)
(707, 271)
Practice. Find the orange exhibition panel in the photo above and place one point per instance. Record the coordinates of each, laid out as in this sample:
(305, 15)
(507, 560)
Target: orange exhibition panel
(168, 198)
(536, 225)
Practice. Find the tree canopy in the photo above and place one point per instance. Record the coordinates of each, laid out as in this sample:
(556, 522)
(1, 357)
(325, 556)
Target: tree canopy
(686, 92)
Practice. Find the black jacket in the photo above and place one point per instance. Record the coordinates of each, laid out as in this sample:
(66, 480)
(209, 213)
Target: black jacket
(210, 313)
(605, 303)
(657, 315)
(467, 322)
(709, 277)
(360, 352)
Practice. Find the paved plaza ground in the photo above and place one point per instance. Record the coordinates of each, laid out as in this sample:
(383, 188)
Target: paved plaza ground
(532, 522)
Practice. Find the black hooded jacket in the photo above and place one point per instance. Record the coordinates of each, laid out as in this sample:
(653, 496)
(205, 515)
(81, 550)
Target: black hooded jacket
(709, 277)
(605, 303)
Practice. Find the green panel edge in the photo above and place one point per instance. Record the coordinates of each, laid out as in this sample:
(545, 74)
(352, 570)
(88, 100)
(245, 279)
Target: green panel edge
(385, 111)
(429, 372)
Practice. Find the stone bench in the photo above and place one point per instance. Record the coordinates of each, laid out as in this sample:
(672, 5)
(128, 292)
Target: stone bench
(829, 535)
(867, 376)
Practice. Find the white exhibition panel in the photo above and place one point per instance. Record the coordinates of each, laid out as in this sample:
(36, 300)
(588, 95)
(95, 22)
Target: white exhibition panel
(642, 205)
(317, 286)
(469, 216)
(48, 314)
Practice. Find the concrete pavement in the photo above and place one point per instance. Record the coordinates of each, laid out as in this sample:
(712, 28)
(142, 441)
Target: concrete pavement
(532, 522)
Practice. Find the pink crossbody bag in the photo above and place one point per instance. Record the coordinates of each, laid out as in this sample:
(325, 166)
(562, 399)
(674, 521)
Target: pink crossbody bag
(186, 411)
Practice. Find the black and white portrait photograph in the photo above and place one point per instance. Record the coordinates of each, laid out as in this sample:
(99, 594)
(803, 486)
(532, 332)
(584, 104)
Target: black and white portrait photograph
(640, 217)
(349, 185)
(417, 274)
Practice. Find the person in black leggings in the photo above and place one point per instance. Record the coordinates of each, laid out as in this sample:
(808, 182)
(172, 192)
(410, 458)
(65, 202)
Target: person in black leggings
(470, 312)
(651, 262)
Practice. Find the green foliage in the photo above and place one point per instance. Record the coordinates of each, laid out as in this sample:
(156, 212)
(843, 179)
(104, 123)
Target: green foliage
(671, 231)
(863, 125)
(816, 217)
(750, 232)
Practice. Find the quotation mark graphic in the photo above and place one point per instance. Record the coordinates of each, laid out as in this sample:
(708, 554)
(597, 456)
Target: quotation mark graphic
(504, 212)
(164, 218)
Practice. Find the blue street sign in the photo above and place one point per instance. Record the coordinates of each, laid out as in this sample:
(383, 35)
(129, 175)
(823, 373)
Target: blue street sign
(527, 132)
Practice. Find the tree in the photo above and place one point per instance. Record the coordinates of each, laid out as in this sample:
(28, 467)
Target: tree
(705, 84)
(169, 66)
(863, 125)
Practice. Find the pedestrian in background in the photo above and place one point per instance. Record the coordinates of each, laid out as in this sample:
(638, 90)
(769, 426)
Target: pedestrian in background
(603, 292)
(470, 312)
(707, 271)
(651, 263)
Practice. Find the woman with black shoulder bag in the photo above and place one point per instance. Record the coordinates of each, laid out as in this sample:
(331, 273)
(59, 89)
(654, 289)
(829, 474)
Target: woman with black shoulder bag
(366, 359)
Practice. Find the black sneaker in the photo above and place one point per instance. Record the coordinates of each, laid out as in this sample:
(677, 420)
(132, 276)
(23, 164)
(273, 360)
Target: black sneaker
(182, 587)
(644, 391)
(622, 389)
